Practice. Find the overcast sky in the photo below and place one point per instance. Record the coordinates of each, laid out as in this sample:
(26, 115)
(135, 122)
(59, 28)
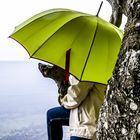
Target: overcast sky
(13, 12)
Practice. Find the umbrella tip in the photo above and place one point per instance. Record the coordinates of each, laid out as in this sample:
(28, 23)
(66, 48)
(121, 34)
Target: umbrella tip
(99, 8)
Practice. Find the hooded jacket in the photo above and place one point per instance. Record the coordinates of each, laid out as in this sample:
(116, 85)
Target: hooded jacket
(84, 99)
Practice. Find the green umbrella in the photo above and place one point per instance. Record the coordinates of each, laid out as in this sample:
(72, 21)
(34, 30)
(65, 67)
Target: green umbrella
(94, 43)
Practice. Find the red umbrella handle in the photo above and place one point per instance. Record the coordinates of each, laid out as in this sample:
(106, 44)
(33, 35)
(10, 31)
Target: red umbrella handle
(67, 65)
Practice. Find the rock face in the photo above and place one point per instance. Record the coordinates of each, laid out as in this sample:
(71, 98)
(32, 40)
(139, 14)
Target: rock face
(58, 75)
(120, 114)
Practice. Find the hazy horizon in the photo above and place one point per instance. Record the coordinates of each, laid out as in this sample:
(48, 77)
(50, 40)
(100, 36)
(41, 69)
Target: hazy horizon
(25, 96)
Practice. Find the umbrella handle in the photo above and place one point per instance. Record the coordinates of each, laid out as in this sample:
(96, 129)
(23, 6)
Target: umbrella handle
(67, 65)
(99, 8)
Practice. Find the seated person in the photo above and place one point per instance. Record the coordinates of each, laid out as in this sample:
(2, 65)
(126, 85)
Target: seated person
(80, 107)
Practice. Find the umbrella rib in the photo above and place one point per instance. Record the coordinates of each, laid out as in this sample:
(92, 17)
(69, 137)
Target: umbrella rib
(89, 51)
(55, 32)
(43, 26)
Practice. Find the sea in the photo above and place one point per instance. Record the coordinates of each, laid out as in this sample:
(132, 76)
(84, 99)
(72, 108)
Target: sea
(25, 97)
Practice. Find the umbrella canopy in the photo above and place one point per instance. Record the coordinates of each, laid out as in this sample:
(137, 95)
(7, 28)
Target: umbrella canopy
(94, 42)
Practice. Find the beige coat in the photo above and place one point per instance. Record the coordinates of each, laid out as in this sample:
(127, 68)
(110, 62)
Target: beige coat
(84, 99)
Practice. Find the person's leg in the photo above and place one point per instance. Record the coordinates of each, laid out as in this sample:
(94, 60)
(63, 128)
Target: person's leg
(56, 118)
(77, 138)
